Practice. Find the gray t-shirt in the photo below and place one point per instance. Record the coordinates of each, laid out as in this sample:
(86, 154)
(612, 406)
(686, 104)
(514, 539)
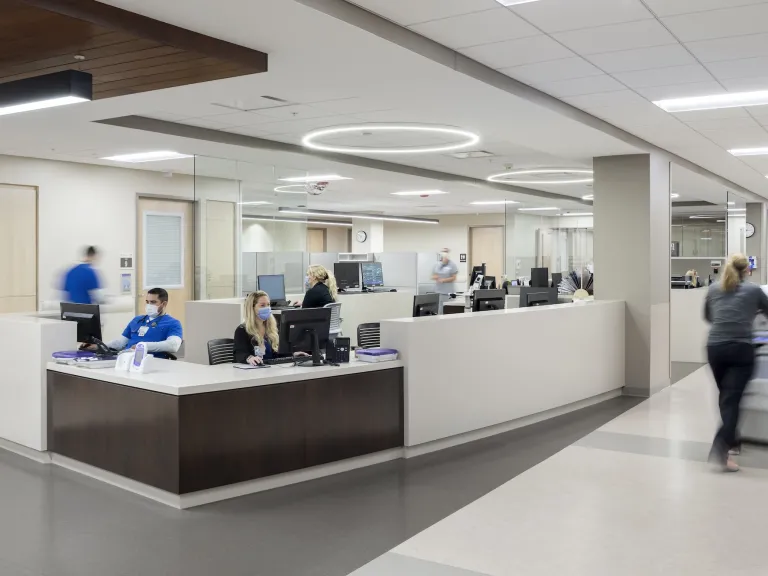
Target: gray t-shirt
(446, 270)
(732, 314)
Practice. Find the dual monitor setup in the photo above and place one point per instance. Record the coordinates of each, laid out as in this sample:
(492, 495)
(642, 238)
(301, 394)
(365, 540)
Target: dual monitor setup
(482, 301)
(353, 276)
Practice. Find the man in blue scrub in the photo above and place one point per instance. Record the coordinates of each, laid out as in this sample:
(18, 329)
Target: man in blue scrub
(159, 331)
(81, 283)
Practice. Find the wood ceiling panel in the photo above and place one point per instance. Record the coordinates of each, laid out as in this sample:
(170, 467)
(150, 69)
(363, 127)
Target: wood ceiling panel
(125, 52)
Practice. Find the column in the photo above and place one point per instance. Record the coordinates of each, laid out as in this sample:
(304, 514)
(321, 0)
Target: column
(632, 263)
(374, 236)
(756, 244)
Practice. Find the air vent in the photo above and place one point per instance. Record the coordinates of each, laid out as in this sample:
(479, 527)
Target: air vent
(472, 154)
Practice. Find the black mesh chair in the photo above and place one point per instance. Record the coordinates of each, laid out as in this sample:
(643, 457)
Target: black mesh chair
(221, 351)
(369, 335)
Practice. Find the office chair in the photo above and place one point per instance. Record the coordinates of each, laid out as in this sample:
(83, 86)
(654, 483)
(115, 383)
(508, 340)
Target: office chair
(369, 335)
(221, 351)
(335, 330)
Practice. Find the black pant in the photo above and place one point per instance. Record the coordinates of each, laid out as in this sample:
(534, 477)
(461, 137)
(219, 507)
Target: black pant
(732, 365)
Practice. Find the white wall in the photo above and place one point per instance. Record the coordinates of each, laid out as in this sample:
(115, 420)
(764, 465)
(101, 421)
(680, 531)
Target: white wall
(452, 233)
(337, 239)
(80, 205)
(261, 236)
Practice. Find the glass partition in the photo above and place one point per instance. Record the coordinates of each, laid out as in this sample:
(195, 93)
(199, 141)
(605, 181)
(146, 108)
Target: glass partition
(737, 224)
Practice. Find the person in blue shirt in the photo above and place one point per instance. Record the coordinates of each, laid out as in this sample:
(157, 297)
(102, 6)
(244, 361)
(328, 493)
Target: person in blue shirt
(159, 331)
(81, 283)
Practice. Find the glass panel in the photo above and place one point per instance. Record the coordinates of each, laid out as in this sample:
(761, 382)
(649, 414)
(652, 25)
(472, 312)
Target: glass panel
(737, 224)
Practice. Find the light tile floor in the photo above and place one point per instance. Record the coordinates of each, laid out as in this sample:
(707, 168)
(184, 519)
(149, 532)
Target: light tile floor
(634, 498)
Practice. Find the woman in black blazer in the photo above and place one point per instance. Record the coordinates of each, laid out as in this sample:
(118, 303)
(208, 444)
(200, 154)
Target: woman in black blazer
(322, 288)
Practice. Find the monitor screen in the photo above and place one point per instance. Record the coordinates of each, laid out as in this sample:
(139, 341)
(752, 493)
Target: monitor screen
(373, 274)
(274, 285)
(347, 275)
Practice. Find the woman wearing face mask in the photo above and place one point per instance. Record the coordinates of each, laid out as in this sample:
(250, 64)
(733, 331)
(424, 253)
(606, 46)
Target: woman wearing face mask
(257, 338)
(321, 287)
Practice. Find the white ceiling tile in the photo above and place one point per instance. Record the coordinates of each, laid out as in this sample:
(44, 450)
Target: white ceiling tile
(293, 112)
(416, 11)
(306, 125)
(746, 68)
(642, 58)
(733, 48)
(553, 71)
(476, 28)
(721, 113)
(518, 52)
(205, 123)
(724, 124)
(580, 86)
(672, 7)
(606, 100)
(719, 23)
(681, 90)
(349, 106)
(760, 113)
(560, 15)
(664, 76)
(745, 138)
(240, 118)
(636, 114)
(746, 84)
(628, 36)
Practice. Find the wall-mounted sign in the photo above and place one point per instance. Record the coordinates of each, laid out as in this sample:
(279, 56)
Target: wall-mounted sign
(126, 261)
(462, 257)
(126, 283)
(675, 249)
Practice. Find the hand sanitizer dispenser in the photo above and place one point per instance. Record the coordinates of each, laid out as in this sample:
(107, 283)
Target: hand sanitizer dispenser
(140, 359)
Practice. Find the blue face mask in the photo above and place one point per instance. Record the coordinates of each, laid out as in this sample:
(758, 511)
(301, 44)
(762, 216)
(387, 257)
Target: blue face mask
(264, 314)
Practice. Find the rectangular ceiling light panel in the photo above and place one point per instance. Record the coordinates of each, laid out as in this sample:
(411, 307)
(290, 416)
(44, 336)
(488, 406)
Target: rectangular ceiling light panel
(714, 102)
(46, 91)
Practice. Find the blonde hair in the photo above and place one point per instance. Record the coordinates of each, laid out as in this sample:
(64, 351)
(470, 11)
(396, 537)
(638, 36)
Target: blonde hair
(320, 273)
(253, 322)
(734, 272)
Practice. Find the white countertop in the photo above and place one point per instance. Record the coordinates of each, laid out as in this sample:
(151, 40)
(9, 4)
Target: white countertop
(181, 378)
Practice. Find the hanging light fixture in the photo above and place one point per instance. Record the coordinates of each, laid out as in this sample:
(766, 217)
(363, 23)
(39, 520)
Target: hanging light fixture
(46, 91)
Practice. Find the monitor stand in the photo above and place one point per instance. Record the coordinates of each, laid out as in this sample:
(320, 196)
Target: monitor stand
(317, 357)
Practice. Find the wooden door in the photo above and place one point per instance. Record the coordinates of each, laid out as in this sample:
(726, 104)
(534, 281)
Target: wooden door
(219, 249)
(316, 240)
(178, 292)
(18, 248)
(487, 245)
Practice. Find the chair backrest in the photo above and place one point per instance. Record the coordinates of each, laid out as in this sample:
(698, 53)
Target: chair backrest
(369, 335)
(221, 351)
(335, 316)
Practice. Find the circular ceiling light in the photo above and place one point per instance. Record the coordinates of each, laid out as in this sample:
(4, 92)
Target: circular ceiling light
(287, 189)
(571, 176)
(467, 139)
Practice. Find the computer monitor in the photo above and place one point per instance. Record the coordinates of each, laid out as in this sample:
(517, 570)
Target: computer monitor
(485, 300)
(426, 305)
(489, 282)
(476, 270)
(557, 277)
(347, 275)
(373, 275)
(305, 331)
(540, 277)
(88, 320)
(530, 296)
(274, 285)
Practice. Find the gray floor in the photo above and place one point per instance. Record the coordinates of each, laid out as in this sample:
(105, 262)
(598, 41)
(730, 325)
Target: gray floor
(680, 370)
(57, 523)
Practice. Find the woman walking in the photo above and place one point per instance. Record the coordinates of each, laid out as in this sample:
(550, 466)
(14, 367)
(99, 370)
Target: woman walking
(731, 307)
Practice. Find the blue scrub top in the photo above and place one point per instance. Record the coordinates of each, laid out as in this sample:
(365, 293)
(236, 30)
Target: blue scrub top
(79, 282)
(158, 330)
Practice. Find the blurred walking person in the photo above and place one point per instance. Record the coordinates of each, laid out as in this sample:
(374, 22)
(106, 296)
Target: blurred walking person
(731, 307)
(81, 284)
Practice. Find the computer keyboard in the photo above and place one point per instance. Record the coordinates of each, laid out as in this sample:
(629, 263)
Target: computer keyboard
(275, 361)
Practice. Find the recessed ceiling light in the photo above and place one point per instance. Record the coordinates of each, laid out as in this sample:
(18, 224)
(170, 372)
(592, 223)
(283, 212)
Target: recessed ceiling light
(588, 197)
(514, 2)
(259, 203)
(297, 221)
(673, 196)
(731, 203)
(493, 202)
(535, 209)
(732, 100)
(285, 189)
(156, 156)
(721, 221)
(308, 212)
(468, 139)
(419, 193)
(701, 217)
(321, 178)
(579, 214)
(45, 91)
(737, 209)
(501, 178)
(749, 151)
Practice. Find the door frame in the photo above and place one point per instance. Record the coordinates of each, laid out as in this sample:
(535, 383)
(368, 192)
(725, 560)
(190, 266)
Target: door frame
(503, 247)
(36, 191)
(325, 237)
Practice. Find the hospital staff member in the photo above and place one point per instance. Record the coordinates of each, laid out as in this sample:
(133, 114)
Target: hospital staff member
(158, 330)
(81, 283)
(444, 275)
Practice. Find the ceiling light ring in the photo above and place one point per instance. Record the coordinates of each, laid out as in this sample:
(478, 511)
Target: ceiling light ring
(497, 178)
(470, 139)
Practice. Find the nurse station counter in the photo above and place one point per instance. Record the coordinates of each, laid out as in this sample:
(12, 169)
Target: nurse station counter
(187, 434)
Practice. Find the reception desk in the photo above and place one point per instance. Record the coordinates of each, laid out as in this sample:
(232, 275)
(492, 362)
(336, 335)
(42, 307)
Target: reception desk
(185, 434)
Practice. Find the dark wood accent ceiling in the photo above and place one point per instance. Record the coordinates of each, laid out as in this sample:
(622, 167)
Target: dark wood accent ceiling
(125, 52)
